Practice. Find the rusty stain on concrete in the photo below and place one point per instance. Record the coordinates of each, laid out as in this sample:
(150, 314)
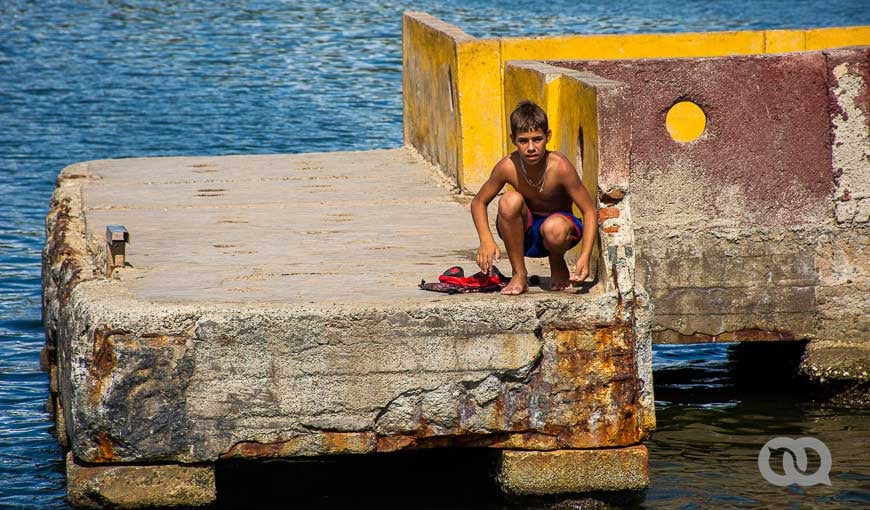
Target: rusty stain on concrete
(315, 443)
(105, 448)
(524, 415)
(103, 358)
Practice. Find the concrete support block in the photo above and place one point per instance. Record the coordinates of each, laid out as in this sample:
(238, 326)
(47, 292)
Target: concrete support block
(837, 360)
(841, 371)
(140, 486)
(573, 471)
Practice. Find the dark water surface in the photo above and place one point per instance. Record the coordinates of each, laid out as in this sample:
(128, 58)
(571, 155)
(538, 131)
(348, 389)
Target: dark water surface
(90, 80)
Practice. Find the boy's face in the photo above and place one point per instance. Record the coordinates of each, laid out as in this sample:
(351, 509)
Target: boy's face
(531, 145)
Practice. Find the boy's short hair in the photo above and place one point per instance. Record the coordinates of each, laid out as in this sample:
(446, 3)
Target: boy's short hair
(528, 116)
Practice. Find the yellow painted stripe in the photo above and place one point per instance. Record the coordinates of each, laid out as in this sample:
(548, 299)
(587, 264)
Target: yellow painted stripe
(824, 38)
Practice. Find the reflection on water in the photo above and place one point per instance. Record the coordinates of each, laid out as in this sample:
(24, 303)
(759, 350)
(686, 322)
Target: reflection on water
(704, 453)
(107, 79)
(707, 456)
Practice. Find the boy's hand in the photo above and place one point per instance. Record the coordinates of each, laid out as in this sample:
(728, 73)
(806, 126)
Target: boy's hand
(581, 272)
(487, 255)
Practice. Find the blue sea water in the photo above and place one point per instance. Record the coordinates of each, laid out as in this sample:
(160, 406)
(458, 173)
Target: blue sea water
(107, 79)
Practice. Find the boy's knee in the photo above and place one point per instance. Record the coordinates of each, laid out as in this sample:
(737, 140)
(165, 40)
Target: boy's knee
(555, 231)
(511, 203)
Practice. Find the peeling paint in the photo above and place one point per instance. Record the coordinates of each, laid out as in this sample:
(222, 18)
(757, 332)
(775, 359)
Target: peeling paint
(850, 131)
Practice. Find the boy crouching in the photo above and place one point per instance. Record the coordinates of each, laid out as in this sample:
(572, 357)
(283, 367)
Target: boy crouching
(535, 219)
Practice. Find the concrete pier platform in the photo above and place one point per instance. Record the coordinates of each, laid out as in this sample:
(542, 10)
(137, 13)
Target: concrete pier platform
(323, 229)
(268, 307)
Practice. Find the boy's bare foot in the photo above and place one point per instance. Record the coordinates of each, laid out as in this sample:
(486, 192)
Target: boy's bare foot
(559, 274)
(516, 286)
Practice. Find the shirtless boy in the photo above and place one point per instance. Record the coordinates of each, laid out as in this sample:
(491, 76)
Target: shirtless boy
(535, 218)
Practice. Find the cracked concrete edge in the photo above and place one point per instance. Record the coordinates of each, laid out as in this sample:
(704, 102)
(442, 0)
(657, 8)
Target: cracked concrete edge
(66, 256)
(620, 257)
(642, 329)
(99, 433)
(105, 301)
(67, 261)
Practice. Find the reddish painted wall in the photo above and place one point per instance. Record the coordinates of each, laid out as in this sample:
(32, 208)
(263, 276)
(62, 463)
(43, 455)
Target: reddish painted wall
(766, 144)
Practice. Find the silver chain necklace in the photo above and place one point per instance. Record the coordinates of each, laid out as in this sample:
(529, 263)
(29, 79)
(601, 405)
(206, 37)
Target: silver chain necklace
(540, 185)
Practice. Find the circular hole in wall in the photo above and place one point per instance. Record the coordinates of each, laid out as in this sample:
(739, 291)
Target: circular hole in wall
(685, 121)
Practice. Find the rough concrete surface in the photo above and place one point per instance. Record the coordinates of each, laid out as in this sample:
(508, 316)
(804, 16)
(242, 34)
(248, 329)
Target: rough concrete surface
(566, 471)
(138, 486)
(270, 308)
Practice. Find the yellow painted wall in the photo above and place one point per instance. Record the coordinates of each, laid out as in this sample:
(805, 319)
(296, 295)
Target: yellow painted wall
(783, 41)
(470, 134)
(451, 96)
(480, 99)
(429, 95)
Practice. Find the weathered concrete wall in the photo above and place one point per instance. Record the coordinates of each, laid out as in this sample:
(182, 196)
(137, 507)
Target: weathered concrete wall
(262, 383)
(842, 348)
(449, 81)
(766, 117)
(757, 229)
(430, 109)
(484, 126)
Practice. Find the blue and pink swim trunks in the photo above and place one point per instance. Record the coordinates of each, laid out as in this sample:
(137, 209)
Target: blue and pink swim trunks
(534, 241)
